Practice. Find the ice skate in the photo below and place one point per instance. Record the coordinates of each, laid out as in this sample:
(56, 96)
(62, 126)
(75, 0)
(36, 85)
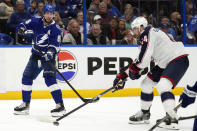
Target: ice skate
(169, 123)
(59, 110)
(140, 118)
(22, 109)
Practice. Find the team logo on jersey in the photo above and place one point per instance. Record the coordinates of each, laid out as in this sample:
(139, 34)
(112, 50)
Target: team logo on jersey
(67, 65)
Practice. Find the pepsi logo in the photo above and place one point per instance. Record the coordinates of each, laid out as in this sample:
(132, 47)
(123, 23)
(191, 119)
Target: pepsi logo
(67, 65)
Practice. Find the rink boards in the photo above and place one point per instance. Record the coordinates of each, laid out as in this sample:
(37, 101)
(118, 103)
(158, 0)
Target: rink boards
(89, 69)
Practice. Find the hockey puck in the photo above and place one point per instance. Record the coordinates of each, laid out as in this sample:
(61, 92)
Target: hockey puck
(56, 123)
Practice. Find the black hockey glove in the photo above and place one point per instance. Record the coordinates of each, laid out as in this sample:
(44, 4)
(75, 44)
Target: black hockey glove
(21, 31)
(119, 81)
(48, 56)
(188, 96)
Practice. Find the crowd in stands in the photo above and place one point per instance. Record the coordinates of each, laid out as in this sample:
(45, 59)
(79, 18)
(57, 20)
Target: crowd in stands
(108, 21)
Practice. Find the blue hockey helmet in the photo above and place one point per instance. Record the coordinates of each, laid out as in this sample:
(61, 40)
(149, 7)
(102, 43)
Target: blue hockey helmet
(49, 8)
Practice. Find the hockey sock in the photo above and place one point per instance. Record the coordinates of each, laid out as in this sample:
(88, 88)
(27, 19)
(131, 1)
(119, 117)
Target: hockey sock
(57, 96)
(147, 93)
(168, 101)
(146, 101)
(146, 111)
(26, 95)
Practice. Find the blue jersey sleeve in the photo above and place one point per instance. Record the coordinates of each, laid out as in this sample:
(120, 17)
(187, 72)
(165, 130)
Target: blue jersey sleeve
(28, 25)
(55, 40)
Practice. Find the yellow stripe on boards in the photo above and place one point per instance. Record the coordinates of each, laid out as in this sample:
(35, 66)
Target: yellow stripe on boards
(12, 95)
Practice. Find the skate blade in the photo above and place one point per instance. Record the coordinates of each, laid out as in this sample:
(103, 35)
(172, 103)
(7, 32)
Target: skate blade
(58, 114)
(139, 122)
(172, 126)
(26, 112)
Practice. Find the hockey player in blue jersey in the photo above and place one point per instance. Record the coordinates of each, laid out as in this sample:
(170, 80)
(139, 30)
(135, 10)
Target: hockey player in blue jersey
(47, 38)
(188, 97)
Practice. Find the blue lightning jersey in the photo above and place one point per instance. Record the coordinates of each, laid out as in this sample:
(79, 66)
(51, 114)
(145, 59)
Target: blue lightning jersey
(44, 37)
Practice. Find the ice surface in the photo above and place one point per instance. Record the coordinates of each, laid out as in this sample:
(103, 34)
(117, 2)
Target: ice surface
(108, 114)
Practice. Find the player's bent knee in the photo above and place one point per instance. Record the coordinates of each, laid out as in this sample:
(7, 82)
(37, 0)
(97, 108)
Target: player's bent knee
(147, 85)
(50, 81)
(164, 85)
(27, 80)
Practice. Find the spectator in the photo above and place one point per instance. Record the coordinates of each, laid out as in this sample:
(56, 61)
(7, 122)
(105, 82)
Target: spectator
(80, 21)
(190, 36)
(90, 17)
(73, 37)
(104, 28)
(74, 7)
(50, 2)
(112, 32)
(129, 17)
(33, 8)
(88, 2)
(175, 23)
(64, 9)
(128, 7)
(17, 17)
(165, 28)
(151, 20)
(97, 19)
(118, 4)
(128, 38)
(27, 4)
(165, 25)
(122, 27)
(94, 6)
(96, 37)
(6, 9)
(131, 8)
(40, 11)
(189, 7)
(123, 4)
(111, 9)
(6, 39)
(104, 15)
(59, 22)
(145, 15)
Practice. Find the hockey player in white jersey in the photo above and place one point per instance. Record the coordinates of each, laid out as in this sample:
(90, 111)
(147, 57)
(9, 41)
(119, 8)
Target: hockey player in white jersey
(188, 97)
(171, 64)
(47, 39)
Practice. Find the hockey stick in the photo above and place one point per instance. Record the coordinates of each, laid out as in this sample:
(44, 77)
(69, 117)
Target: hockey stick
(83, 99)
(187, 117)
(159, 122)
(95, 99)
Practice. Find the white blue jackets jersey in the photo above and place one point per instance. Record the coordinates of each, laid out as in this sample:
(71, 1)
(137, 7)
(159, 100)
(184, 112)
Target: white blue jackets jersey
(45, 37)
(157, 45)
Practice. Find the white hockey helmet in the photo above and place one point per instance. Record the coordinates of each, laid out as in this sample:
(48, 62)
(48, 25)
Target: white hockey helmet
(138, 22)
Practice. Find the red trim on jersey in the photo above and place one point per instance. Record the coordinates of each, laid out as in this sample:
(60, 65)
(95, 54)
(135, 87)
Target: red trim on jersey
(150, 77)
(134, 69)
(179, 57)
(170, 79)
(146, 47)
(122, 75)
